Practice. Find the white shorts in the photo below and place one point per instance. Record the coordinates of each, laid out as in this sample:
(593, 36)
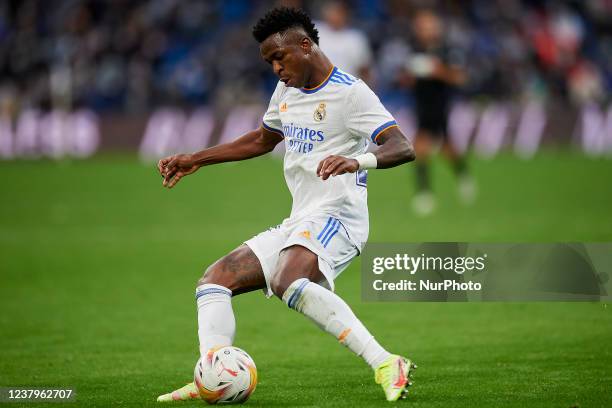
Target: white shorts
(325, 236)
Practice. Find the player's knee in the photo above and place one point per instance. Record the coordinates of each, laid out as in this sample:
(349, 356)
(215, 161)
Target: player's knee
(283, 286)
(219, 274)
(278, 285)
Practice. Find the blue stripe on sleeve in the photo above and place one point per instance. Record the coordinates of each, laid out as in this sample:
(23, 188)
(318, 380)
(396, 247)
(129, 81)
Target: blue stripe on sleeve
(340, 79)
(381, 129)
(271, 129)
(346, 77)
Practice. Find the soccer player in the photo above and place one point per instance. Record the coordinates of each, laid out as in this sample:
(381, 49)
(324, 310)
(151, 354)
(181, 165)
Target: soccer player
(326, 118)
(433, 72)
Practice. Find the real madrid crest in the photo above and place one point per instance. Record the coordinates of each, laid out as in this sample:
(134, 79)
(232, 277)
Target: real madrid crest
(319, 113)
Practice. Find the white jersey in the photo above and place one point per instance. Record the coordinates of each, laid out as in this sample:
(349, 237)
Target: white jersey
(338, 117)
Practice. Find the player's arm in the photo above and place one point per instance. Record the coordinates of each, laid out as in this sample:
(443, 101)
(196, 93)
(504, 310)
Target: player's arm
(451, 74)
(395, 149)
(252, 144)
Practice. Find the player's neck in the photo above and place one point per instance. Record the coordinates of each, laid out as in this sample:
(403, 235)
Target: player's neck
(321, 68)
(432, 44)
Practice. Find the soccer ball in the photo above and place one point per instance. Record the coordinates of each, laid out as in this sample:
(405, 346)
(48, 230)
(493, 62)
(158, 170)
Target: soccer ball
(225, 375)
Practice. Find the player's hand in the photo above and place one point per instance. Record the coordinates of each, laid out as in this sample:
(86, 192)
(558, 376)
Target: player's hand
(439, 70)
(336, 165)
(173, 168)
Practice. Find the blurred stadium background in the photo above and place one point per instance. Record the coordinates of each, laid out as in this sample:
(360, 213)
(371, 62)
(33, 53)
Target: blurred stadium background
(79, 77)
(98, 263)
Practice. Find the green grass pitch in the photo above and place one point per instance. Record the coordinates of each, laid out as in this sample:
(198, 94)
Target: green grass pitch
(98, 266)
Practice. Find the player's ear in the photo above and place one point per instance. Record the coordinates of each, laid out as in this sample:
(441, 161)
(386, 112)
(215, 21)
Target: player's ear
(306, 45)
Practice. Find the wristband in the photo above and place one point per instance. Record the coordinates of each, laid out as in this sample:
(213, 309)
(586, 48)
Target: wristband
(367, 161)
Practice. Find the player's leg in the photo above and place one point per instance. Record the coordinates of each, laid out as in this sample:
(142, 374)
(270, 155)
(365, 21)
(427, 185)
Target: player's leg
(236, 273)
(466, 185)
(294, 282)
(423, 145)
(423, 201)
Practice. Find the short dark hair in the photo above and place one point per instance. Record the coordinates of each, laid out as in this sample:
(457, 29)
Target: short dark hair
(281, 19)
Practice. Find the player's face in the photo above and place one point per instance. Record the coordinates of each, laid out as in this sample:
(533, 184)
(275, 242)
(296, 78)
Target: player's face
(427, 27)
(336, 15)
(287, 54)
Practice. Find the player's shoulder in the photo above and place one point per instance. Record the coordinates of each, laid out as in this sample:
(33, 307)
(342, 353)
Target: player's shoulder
(349, 85)
(280, 90)
(343, 84)
(343, 79)
(338, 82)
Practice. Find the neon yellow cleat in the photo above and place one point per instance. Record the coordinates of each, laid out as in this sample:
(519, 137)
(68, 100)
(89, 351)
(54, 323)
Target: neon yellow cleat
(394, 375)
(186, 393)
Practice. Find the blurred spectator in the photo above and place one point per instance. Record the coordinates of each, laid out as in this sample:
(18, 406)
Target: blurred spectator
(136, 55)
(348, 48)
(433, 71)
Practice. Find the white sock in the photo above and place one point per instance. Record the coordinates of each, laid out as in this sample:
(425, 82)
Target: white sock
(334, 316)
(216, 323)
